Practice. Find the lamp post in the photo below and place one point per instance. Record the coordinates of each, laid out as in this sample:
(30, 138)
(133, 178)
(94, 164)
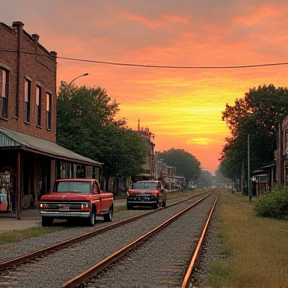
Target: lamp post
(77, 78)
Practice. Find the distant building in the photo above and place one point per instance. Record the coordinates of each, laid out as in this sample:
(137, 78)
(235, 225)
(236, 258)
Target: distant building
(149, 145)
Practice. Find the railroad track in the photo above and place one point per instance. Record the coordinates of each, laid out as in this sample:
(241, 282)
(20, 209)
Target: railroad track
(160, 277)
(11, 269)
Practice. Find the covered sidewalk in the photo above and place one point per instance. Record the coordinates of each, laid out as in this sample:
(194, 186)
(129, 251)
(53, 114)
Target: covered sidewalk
(29, 165)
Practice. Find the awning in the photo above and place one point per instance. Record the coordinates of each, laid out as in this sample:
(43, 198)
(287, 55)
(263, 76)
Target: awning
(13, 139)
(264, 169)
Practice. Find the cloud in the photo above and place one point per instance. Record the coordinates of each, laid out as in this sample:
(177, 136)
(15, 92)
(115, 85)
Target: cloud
(199, 141)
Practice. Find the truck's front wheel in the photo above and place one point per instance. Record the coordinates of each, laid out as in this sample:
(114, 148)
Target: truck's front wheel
(91, 219)
(47, 221)
(109, 216)
(129, 206)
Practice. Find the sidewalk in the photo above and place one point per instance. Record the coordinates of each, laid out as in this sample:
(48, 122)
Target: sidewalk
(30, 218)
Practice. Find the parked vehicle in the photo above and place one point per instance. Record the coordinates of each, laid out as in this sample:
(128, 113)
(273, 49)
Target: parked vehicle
(146, 193)
(74, 199)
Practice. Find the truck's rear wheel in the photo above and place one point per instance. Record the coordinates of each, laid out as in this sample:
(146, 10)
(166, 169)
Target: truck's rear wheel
(47, 221)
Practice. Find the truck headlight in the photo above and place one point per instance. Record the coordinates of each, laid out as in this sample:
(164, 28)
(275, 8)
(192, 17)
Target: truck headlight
(43, 205)
(85, 206)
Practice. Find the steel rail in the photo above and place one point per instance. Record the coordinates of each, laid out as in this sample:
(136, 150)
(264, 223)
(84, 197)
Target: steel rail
(116, 256)
(52, 248)
(70, 241)
(186, 283)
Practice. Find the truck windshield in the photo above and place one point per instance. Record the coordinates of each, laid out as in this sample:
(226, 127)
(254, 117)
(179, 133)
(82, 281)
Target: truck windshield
(78, 187)
(144, 185)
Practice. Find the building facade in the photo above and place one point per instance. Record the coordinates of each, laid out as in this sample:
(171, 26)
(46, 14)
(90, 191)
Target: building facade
(147, 136)
(30, 158)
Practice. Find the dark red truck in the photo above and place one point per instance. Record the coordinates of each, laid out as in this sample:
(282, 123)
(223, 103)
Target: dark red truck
(74, 199)
(146, 193)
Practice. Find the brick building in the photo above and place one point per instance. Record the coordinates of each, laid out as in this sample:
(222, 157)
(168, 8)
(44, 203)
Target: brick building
(149, 145)
(30, 159)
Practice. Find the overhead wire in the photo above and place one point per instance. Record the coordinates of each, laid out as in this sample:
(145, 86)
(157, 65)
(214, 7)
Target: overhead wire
(174, 67)
(157, 66)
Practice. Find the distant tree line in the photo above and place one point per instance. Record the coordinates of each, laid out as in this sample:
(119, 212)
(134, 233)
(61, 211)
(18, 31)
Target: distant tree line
(185, 163)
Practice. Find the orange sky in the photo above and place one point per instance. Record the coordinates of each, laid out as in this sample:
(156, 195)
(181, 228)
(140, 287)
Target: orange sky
(182, 107)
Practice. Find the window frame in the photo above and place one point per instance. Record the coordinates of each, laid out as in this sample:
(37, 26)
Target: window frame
(27, 100)
(4, 92)
(48, 110)
(38, 100)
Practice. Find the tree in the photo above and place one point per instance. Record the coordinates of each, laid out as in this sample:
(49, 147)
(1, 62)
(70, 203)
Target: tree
(258, 115)
(205, 179)
(122, 152)
(186, 164)
(86, 125)
(220, 179)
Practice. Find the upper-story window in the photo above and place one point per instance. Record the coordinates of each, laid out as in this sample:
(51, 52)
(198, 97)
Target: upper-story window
(48, 109)
(38, 105)
(4, 91)
(27, 97)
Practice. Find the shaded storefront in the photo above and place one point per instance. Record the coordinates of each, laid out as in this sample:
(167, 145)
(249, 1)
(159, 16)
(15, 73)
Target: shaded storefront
(29, 166)
(263, 179)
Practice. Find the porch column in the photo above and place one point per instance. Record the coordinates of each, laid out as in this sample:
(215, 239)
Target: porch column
(18, 192)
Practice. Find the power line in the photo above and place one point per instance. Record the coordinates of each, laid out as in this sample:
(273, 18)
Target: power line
(157, 66)
(175, 67)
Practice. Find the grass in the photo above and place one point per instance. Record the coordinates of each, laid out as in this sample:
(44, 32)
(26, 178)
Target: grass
(256, 249)
(17, 235)
(14, 236)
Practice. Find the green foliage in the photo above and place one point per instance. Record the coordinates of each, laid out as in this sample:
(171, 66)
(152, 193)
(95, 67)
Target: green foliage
(217, 273)
(274, 204)
(122, 151)
(205, 179)
(186, 164)
(220, 179)
(86, 125)
(258, 115)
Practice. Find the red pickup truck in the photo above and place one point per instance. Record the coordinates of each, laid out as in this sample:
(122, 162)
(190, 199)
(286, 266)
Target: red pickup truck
(73, 199)
(146, 193)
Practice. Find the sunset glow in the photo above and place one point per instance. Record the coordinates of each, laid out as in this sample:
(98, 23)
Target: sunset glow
(182, 106)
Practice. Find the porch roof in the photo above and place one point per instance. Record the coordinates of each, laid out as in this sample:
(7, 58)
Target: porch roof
(13, 139)
(263, 170)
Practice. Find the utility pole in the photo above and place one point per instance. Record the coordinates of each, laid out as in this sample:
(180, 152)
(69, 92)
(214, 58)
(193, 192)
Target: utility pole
(248, 176)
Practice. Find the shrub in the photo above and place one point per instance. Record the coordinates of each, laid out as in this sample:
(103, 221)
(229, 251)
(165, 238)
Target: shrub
(274, 204)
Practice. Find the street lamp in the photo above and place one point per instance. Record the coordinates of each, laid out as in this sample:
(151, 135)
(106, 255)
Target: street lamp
(77, 78)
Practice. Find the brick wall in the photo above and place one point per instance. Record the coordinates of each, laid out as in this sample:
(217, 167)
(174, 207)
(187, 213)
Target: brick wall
(25, 58)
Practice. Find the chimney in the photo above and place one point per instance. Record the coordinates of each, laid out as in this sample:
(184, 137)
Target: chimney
(35, 37)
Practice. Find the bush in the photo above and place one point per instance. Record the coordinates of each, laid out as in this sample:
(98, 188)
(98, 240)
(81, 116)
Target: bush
(274, 204)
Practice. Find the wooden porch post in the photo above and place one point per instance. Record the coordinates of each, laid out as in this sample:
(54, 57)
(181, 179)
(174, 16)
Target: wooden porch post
(18, 192)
